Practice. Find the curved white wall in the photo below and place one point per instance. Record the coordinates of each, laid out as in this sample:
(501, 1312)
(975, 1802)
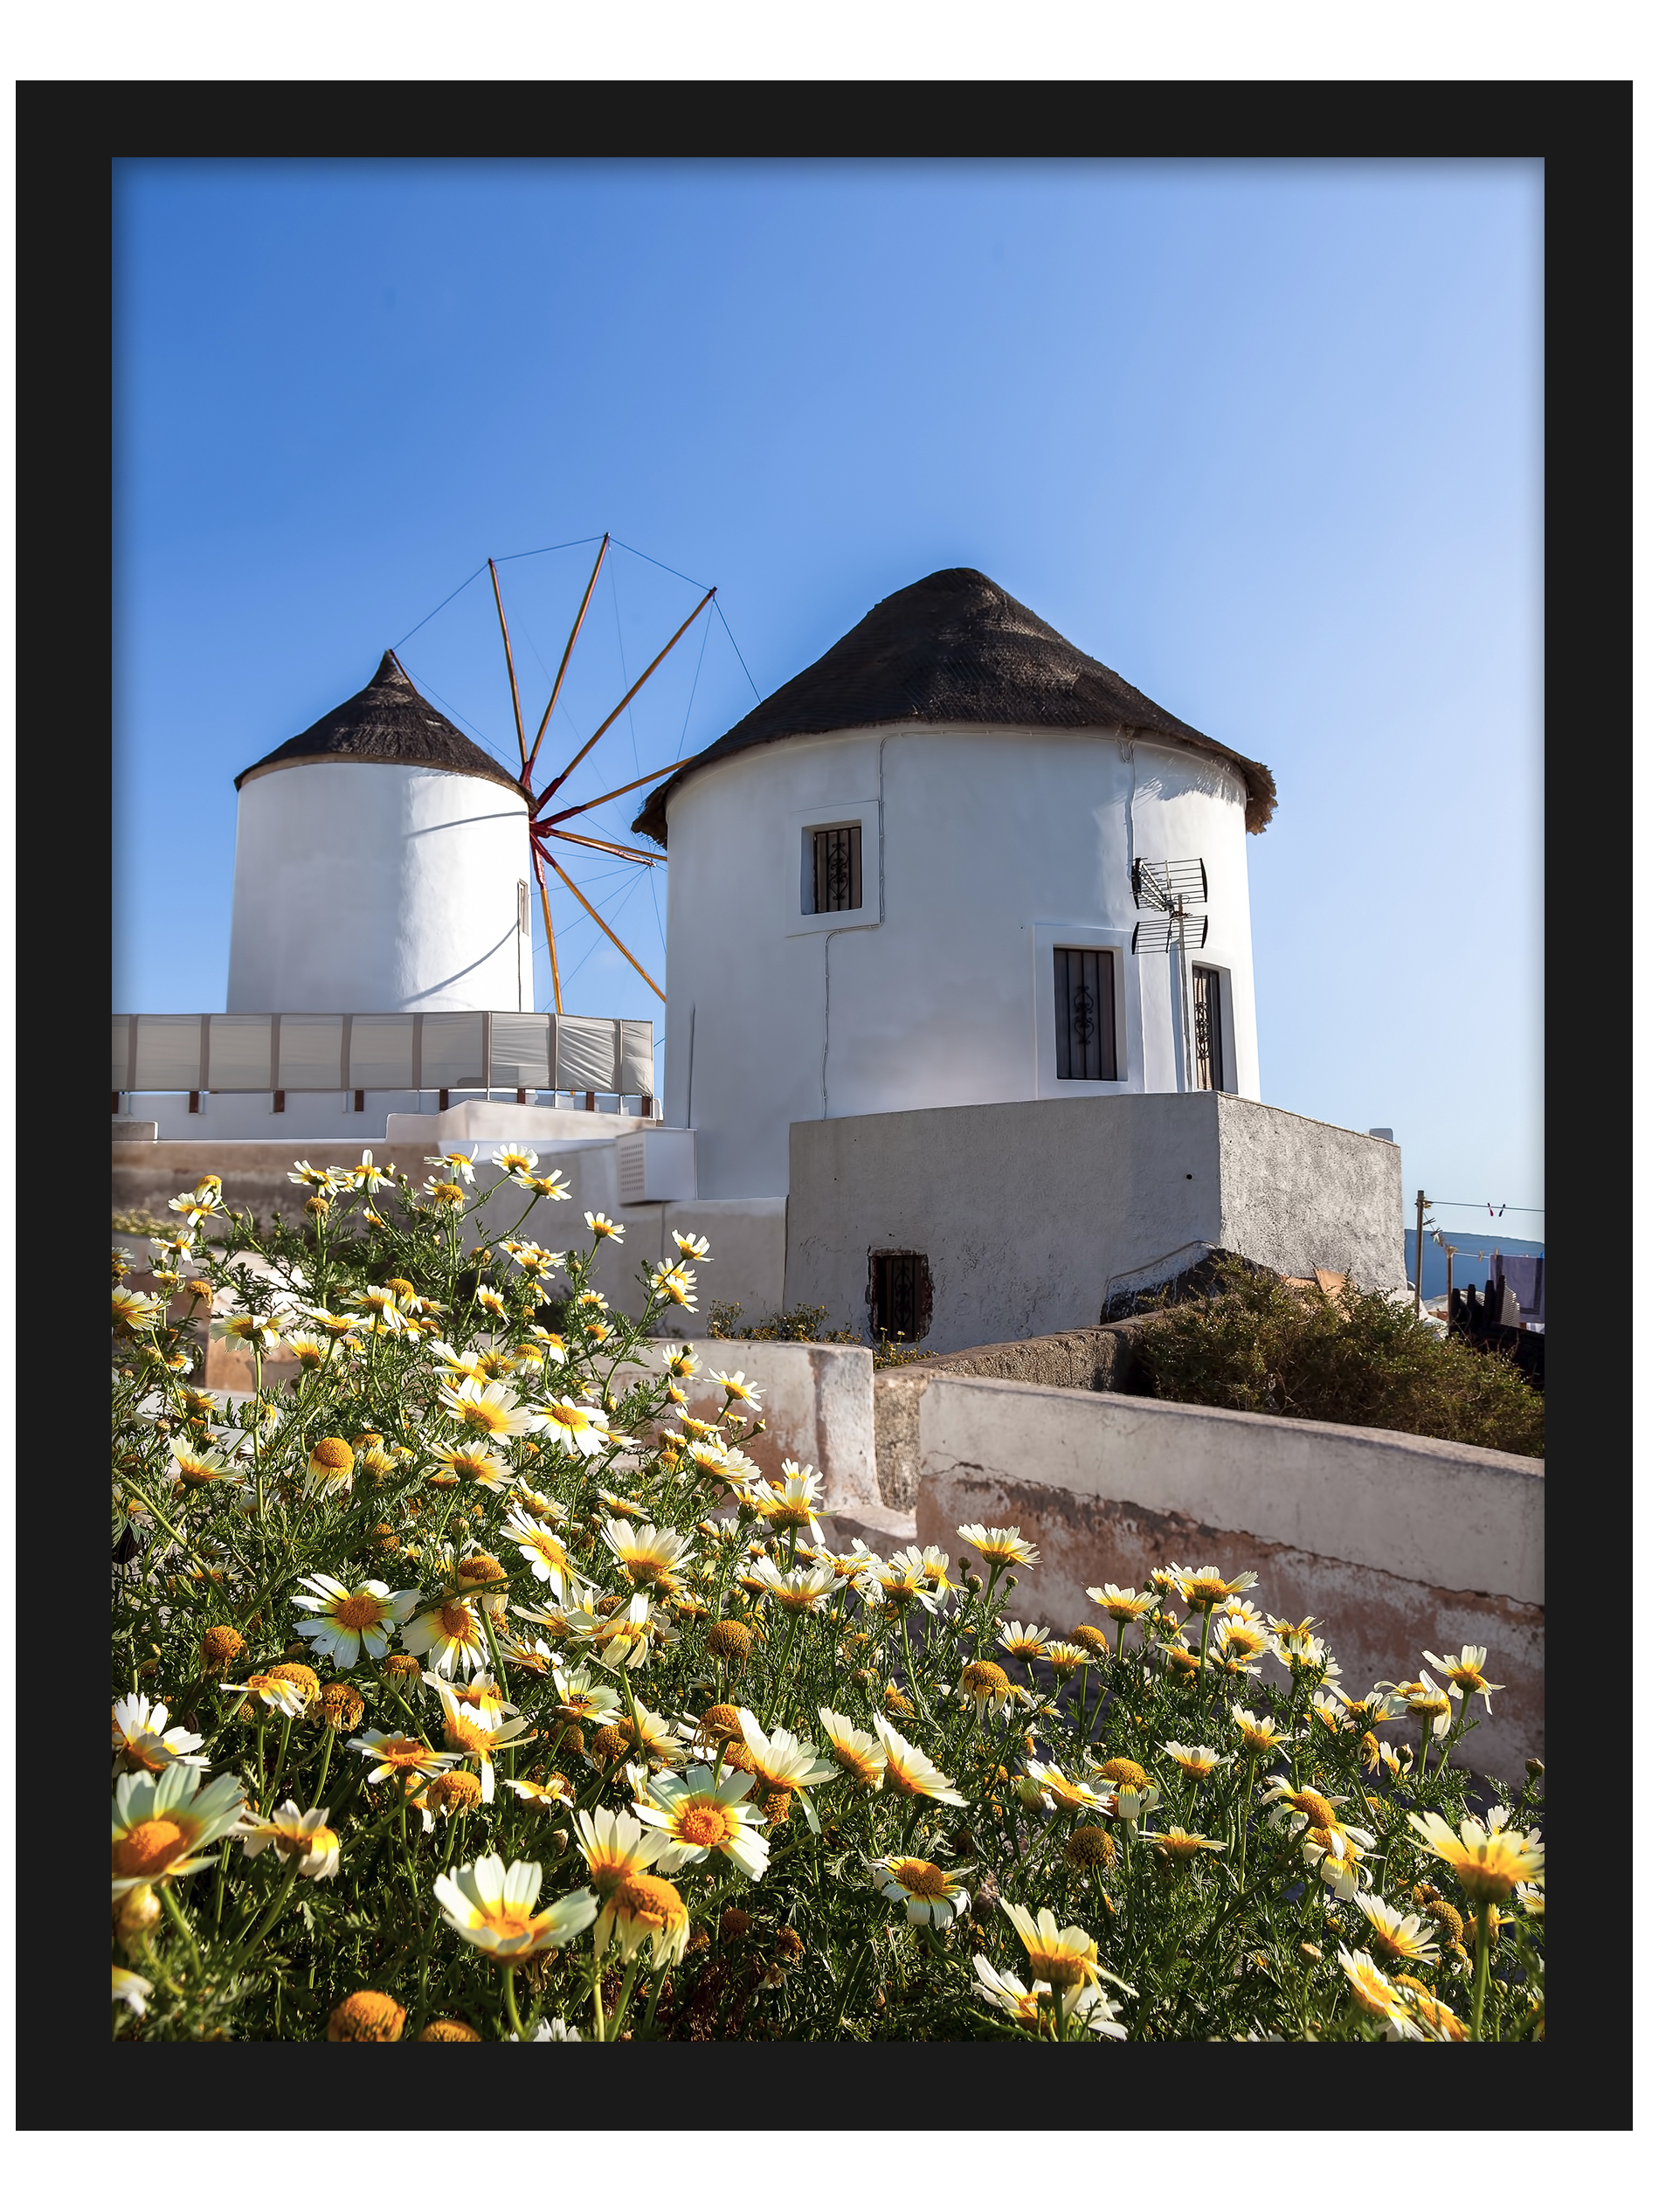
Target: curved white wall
(982, 850)
(376, 888)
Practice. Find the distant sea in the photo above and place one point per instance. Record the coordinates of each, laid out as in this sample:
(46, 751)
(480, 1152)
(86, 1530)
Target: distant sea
(1469, 1269)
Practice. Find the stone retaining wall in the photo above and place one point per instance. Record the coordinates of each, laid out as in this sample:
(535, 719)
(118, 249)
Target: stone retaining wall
(1397, 1544)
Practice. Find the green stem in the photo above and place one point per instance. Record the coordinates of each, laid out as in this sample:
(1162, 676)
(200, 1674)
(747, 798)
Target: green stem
(783, 1671)
(272, 1910)
(513, 2021)
(179, 1922)
(613, 2026)
(1482, 1949)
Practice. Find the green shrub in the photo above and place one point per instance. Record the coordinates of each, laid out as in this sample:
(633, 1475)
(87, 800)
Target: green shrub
(1259, 1345)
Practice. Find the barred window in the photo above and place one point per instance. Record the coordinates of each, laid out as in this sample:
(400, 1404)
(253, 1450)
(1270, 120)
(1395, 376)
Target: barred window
(1207, 1073)
(834, 860)
(1085, 1016)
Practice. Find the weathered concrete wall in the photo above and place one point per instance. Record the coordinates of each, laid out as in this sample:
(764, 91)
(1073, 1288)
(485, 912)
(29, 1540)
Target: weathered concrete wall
(1397, 1544)
(1032, 1214)
(1101, 1358)
(816, 1401)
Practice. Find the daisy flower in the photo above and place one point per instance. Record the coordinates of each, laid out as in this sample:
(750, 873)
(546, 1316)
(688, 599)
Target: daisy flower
(1423, 1701)
(1000, 1548)
(793, 1503)
(680, 1359)
(1077, 1797)
(475, 1464)
(551, 1797)
(930, 1896)
(802, 1590)
(1197, 1763)
(1488, 1858)
(165, 1825)
(1464, 1673)
(196, 1464)
(856, 1753)
(545, 1552)
(1291, 1809)
(1337, 1853)
(486, 1409)
(1258, 1735)
(366, 1176)
(1083, 2000)
(644, 1908)
(910, 1773)
(457, 1167)
(203, 1204)
(492, 1907)
(349, 1623)
(129, 1988)
(573, 1427)
(479, 1732)
(623, 1639)
(650, 1557)
(515, 1159)
(255, 1329)
(1062, 1957)
(140, 1737)
(450, 1634)
(602, 1226)
(783, 1765)
(1399, 1936)
(1132, 1793)
(1377, 1998)
(1117, 1604)
(677, 1285)
(691, 1248)
(272, 1691)
(583, 1701)
(1439, 2022)
(615, 1848)
(305, 1836)
(709, 1458)
(1065, 1658)
(1178, 1844)
(131, 1310)
(739, 1390)
(401, 1755)
(698, 1815)
(1026, 1643)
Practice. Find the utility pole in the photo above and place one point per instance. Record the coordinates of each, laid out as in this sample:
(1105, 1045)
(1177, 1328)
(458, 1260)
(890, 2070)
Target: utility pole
(1423, 1205)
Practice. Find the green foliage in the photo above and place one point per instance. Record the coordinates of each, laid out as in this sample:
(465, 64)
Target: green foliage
(219, 1509)
(1262, 1346)
(803, 1324)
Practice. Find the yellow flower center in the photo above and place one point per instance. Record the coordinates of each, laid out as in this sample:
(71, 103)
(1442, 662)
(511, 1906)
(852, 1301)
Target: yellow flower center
(1318, 1809)
(1125, 1772)
(403, 1751)
(704, 1824)
(456, 1620)
(984, 1678)
(921, 1877)
(462, 1734)
(360, 1611)
(1206, 1590)
(486, 1414)
(368, 2017)
(148, 1848)
(647, 1897)
(1060, 1969)
(332, 1453)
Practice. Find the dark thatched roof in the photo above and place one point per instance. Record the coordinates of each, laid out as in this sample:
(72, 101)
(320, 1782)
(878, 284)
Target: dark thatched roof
(956, 648)
(388, 719)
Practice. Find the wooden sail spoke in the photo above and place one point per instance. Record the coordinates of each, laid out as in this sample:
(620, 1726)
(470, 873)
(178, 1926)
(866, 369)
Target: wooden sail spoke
(603, 844)
(581, 616)
(507, 646)
(627, 695)
(605, 926)
(587, 805)
(547, 923)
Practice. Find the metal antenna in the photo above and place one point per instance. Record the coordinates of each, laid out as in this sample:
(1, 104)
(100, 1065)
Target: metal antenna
(1174, 890)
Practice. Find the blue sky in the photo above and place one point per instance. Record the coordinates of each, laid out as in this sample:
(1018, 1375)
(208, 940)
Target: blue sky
(1265, 438)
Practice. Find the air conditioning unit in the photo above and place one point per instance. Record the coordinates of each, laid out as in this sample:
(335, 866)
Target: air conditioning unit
(656, 1165)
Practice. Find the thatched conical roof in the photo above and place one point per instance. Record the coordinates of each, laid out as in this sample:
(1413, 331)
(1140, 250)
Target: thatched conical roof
(956, 648)
(388, 719)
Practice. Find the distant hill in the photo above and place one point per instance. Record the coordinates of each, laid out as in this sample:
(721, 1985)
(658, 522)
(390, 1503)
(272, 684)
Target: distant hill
(1469, 1269)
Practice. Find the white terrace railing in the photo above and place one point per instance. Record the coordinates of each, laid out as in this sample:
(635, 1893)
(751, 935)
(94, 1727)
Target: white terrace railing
(380, 1052)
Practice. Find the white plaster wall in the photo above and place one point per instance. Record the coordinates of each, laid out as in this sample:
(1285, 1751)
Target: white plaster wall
(373, 886)
(982, 848)
(1033, 1213)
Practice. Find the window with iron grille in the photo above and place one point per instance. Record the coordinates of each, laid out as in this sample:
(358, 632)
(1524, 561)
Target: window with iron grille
(835, 858)
(1085, 1016)
(1207, 1073)
(901, 1296)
